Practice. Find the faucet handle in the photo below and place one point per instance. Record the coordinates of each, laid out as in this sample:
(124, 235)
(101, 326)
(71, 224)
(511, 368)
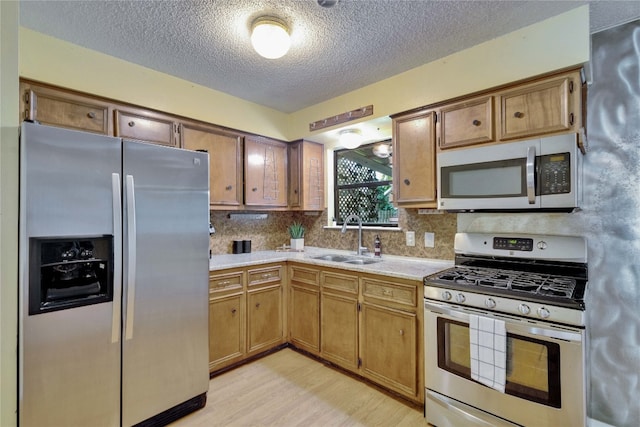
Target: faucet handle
(363, 250)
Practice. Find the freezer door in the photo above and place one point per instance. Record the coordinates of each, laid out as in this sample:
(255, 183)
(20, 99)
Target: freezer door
(69, 359)
(166, 243)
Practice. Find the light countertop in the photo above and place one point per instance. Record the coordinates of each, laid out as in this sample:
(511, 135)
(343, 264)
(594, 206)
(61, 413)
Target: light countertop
(390, 265)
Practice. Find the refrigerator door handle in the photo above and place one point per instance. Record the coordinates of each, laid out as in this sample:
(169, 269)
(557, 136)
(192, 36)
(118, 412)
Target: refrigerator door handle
(117, 257)
(131, 250)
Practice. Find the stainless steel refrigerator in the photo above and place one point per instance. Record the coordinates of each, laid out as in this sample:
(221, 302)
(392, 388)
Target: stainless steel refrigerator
(113, 277)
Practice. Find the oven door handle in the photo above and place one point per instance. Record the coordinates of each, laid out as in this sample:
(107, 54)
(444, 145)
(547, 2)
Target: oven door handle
(545, 331)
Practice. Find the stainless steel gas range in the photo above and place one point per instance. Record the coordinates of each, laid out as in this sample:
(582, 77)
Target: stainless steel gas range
(505, 333)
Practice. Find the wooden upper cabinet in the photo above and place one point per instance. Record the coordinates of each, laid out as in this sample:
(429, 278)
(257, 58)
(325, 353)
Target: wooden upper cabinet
(541, 108)
(467, 123)
(265, 171)
(148, 126)
(306, 176)
(414, 159)
(55, 107)
(225, 162)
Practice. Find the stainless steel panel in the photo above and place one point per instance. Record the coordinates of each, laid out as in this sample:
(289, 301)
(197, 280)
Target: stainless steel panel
(69, 370)
(165, 361)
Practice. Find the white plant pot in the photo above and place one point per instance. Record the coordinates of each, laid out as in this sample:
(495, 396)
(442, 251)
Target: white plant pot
(297, 244)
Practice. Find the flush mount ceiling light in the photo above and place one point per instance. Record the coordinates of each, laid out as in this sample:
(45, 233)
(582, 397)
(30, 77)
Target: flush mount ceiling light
(270, 37)
(382, 150)
(350, 138)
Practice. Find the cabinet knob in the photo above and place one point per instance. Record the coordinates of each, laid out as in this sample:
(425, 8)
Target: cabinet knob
(518, 115)
(228, 187)
(254, 189)
(476, 122)
(233, 311)
(91, 115)
(401, 332)
(407, 182)
(257, 305)
(295, 191)
(132, 124)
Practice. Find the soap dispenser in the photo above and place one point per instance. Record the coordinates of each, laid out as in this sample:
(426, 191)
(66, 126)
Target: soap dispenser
(377, 249)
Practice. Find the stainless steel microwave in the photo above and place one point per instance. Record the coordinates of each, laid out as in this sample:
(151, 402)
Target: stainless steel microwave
(543, 174)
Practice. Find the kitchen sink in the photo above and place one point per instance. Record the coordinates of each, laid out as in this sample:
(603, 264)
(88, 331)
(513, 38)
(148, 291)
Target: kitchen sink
(333, 257)
(360, 261)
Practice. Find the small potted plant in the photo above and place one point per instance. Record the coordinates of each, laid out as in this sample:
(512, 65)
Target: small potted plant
(296, 232)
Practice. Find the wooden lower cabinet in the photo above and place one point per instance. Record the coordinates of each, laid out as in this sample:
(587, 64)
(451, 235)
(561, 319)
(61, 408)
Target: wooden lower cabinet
(226, 330)
(339, 319)
(264, 307)
(304, 308)
(245, 313)
(389, 348)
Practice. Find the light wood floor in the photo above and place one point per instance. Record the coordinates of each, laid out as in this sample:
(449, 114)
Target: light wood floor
(289, 389)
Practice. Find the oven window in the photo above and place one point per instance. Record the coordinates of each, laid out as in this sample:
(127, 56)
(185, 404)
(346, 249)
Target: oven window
(533, 365)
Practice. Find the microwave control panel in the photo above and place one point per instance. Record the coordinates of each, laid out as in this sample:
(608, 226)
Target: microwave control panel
(554, 173)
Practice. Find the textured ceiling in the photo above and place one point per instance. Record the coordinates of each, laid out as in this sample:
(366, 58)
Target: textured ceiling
(334, 50)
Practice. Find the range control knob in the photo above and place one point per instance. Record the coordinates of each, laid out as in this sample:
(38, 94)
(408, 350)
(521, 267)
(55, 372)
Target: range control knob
(543, 312)
(446, 295)
(460, 298)
(490, 303)
(524, 309)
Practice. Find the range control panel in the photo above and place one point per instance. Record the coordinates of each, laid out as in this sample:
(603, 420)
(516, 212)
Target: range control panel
(513, 243)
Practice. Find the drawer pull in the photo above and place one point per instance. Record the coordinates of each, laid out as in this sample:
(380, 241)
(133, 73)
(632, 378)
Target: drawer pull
(228, 187)
(257, 305)
(91, 115)
(224, 283)
(401, 332)
(387, 292)
(132, 124)
(518, 115)
(476, 122)
(407, 182)
(266, 275)
(233, 311)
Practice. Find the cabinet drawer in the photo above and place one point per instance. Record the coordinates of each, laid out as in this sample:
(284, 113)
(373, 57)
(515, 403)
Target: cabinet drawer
(304, 275)
(57, 108)
(159, 130)
(467, 123)
(340, 282)
(265, 275)
(225, 282)
(405, 295)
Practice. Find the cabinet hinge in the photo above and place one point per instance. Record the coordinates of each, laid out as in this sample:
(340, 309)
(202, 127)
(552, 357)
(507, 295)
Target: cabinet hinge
(359, 362)
(26, 97)
(571, 119)
(435, 117)
(571, 86)
(359, 307)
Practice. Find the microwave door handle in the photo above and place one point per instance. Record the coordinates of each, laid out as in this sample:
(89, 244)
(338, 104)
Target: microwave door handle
(531, 177)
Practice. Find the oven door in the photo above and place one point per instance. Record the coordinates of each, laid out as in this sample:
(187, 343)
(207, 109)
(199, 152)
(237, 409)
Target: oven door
(545, 379)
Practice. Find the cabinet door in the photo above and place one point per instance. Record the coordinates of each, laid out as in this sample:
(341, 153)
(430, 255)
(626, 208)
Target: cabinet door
(265, 170)
(226, 330)
(467, 123)
(56, 107)
(146, 126)
(339, 333)
(414, 169)
(339, 318)
(389, 349)
(305, 318)
(264, 308)
(306, 176)
(225, 162)
(537, 109)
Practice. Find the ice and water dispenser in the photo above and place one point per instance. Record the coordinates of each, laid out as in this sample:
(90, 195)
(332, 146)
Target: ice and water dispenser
(69, 272)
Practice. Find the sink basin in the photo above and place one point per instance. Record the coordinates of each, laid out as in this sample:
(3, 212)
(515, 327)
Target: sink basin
(333, 257)
(361, 261)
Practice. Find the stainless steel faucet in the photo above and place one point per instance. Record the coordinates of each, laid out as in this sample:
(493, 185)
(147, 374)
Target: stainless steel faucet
(361, 250)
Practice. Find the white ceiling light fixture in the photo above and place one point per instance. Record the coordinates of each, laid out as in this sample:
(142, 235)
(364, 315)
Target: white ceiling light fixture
(350, 138)
(270, 37)
(382, 150)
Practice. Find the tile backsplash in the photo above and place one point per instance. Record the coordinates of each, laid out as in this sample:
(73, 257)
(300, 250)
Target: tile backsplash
(270, 233)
